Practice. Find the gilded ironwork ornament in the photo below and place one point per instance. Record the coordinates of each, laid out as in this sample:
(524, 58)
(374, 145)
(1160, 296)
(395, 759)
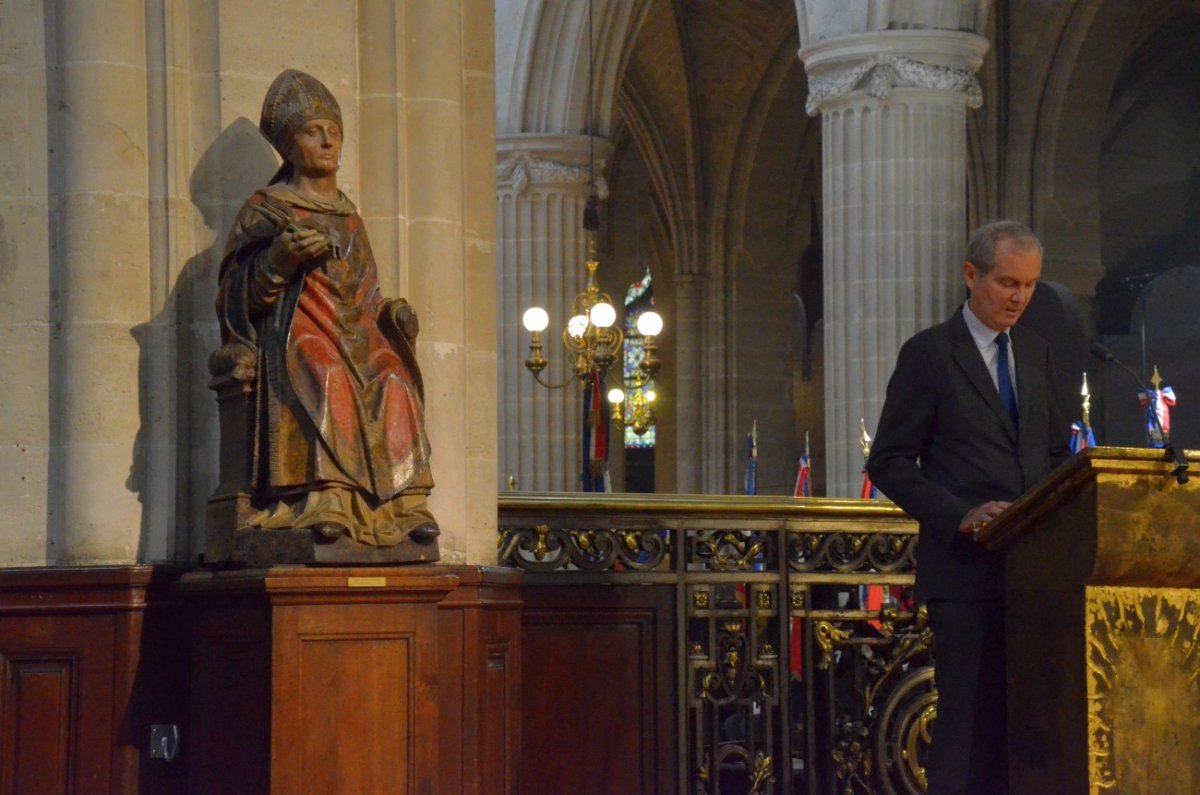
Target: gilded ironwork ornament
(749, 722)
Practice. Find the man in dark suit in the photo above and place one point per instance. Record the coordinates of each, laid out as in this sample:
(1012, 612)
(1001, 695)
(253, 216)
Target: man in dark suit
(969, 423)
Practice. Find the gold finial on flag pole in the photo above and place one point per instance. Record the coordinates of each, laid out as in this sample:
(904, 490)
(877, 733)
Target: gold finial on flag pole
(864, 438)
(1156, 379)
(1087, 402)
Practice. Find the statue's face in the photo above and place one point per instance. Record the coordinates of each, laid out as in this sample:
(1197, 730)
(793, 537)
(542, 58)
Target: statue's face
(316, 148)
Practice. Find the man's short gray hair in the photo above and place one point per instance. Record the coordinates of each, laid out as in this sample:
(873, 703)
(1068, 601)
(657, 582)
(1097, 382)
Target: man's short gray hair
(981, 251)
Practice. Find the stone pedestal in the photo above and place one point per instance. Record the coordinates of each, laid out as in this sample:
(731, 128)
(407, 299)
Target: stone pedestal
(893, 108)
(543, 183)
(353, 679)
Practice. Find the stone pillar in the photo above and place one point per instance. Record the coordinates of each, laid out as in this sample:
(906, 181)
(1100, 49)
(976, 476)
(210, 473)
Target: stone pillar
(893, 107)
(689, 336)
(99, 277)
(542, 188)
(24, 288)
(430, 79)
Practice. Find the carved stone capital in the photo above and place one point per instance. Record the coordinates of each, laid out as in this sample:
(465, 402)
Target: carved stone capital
(880, 74)
(875, 63)
(521, 169)
(522, 161)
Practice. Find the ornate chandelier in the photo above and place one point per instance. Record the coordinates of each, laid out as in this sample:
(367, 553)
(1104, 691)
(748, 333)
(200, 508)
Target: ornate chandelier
(594, 341)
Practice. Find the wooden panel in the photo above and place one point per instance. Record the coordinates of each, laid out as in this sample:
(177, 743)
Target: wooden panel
(365, 671)
(37, 724)
(352, 688)
(92, 657)
(407, 685)
(598, 671)
(498, 708)
(479, 639)
(57, 702)
(228, 745)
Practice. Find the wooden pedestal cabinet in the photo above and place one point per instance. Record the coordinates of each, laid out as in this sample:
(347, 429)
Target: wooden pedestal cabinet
(368, 680)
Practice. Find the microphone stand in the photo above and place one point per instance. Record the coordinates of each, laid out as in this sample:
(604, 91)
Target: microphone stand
(1181, 463)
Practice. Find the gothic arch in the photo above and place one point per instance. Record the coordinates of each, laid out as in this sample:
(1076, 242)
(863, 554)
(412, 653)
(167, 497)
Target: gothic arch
(542, 63)
(1094, 42)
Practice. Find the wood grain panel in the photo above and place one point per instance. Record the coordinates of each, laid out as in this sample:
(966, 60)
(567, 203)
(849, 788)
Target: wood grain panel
(479, 631)
(598, 671)
(38, 724)
(91, 657)
(498, 707)
(229, 739)
(351, 690)
(58, 696)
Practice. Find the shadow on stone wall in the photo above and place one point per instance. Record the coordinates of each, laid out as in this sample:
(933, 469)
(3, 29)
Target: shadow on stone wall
(173, 354)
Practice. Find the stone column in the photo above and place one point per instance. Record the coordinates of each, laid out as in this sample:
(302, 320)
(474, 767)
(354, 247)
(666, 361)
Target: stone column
(689, 336)
(441, 88)
(24, 288)
(99, 277)
(542, 188)
(893, 107)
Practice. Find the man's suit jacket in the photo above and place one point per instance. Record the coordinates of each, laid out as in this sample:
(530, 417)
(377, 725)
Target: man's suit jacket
(945, 444)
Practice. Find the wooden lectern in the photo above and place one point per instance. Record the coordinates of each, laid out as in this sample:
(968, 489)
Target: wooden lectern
(1103, 617)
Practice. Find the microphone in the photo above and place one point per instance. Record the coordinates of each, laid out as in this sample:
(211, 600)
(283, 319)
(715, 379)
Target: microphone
(1181, 464)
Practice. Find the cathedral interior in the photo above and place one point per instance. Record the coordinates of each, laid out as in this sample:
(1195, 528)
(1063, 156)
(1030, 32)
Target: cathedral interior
(790, 185)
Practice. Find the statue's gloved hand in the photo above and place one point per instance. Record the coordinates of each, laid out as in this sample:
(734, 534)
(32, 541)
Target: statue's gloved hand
(293, 246)
(404, 317)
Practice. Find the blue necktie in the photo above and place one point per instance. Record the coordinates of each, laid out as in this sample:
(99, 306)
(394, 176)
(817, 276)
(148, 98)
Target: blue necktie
(1008, 398)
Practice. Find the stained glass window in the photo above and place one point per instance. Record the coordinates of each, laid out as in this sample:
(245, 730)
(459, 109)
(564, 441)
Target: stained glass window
(639, 298)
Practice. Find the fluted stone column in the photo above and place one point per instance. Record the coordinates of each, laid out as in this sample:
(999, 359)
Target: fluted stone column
(542, 186)
(893, 106)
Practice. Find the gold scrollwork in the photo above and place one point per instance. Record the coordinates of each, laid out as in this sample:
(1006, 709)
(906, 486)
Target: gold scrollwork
(744, 554)
(700, 599)
(919, 737)
(797, 599)
(762, 598)
(540, 549)
(760, 773)
(630, 538)
(828, 637)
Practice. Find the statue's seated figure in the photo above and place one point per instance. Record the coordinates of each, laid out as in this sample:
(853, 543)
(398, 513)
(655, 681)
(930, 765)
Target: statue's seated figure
(324, 455)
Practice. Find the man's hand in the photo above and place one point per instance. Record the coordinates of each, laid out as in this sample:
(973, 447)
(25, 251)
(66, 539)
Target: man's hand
(980, 515)
(295, 245)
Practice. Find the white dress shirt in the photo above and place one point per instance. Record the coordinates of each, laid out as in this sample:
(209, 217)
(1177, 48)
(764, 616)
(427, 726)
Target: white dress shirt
(985, 338)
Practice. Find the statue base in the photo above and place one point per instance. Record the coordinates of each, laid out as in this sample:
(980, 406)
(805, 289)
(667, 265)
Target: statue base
(230, 542)
(351, 679)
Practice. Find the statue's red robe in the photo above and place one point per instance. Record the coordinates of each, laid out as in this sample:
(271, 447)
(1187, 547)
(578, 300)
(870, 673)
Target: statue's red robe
(340, 401)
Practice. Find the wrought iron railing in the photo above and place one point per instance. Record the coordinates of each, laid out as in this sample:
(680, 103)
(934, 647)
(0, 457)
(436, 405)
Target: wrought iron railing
(802, 666)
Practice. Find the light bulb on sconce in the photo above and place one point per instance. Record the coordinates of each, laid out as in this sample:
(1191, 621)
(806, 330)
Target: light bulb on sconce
(603, 315)
(650, 324)
(577, 325)
(535, 319)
